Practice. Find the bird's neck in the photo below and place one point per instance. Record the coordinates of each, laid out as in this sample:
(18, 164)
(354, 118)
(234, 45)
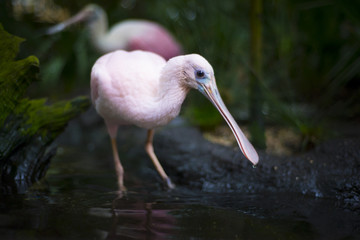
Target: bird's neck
(98, 28)
(172, 91)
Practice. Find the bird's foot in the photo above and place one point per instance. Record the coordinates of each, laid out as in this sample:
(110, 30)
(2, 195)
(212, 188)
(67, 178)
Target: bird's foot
(122, 189)
(168, 183)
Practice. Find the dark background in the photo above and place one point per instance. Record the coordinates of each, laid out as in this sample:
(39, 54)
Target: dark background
(310, 58)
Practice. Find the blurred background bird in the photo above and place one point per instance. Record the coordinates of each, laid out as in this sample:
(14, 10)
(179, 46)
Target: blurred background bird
(127, 35)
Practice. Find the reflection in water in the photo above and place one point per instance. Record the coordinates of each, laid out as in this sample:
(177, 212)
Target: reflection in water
(134, 220)
(140, 220)
(89, 212)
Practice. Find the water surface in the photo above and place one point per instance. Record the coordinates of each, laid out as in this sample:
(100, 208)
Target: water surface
(78, 199)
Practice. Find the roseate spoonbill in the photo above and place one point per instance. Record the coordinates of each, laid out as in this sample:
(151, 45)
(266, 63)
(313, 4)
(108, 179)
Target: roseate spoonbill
(141, 88)
(126, 35)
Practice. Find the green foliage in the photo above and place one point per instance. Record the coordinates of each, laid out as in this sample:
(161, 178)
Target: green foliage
(256, 101)
(312, 64)
(203, 114)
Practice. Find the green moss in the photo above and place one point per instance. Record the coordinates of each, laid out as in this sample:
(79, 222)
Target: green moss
(9, 46)
(27, 126)
(15, 75)
(36, 114)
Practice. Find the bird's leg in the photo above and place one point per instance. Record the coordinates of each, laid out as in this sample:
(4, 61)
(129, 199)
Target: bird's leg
(118, 167)
(150, 151)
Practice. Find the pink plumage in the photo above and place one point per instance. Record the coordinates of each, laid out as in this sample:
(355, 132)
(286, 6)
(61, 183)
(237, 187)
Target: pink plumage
(156, 39)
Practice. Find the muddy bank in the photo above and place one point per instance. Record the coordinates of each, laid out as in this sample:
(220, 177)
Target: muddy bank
(331, 170)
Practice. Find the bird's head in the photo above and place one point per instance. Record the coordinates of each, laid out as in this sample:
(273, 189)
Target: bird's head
(90, 13)
(196, 72)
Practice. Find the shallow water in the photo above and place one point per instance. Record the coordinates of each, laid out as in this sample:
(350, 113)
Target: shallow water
(78, 200)
(84, 208)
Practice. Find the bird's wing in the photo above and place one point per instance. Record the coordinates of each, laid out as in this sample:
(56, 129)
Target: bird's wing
(122, 81)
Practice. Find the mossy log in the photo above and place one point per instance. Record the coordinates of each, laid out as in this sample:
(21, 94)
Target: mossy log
(27, 127)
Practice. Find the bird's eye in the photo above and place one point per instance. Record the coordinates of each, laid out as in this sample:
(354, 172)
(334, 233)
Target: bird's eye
(200, 73)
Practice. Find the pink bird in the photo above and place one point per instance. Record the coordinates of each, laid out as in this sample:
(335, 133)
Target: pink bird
(127, 35)
(141, 88)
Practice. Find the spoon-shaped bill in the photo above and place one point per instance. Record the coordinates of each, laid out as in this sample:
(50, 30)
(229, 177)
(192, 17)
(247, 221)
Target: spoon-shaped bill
(209, 89)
